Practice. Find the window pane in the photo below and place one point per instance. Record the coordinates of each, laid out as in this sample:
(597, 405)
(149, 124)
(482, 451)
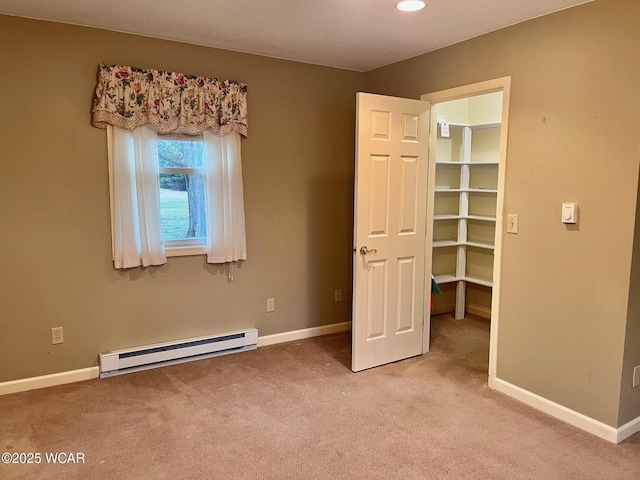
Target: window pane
(176, 153)
(182, 206)
(182, 202)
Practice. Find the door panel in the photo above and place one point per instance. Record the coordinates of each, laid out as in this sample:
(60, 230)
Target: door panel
(390, 220)
(408, 195)
(379, 199)
(377, 295)
(406, 295)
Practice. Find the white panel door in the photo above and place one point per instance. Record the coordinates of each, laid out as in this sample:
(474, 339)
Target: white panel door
(390, 239)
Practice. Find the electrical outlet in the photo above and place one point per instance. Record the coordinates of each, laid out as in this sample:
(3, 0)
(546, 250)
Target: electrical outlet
(271, 305)
(57, 335)
(636, 376)
(338, 294)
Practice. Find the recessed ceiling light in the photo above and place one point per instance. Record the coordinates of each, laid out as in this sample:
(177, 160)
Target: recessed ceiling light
(410, 5)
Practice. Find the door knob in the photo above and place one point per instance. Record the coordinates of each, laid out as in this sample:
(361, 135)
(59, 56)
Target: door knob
(365, 251)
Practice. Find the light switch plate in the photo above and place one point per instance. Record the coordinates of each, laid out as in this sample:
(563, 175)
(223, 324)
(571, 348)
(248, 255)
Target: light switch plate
(569, 212)
(512, 223)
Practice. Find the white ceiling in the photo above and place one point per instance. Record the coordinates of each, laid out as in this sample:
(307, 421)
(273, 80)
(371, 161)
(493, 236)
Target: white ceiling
(353, 34)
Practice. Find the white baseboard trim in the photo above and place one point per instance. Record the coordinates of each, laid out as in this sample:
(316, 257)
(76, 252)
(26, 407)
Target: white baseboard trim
(43, 381)
(628, 429)
(588, 424)
(304, 333)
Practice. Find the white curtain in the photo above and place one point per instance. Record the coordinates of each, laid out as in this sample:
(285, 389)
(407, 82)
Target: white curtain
(226, 240)
(136, 230)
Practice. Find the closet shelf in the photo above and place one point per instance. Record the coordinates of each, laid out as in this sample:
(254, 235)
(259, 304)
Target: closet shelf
(455, 243)
(485, 245)
(471, 164)
(475, 126)
(470, 190)
(449, 278)
(465, 217)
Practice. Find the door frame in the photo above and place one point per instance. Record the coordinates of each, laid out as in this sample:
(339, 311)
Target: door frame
(502, 84)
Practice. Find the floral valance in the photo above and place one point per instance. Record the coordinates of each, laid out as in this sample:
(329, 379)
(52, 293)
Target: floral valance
(128, 97)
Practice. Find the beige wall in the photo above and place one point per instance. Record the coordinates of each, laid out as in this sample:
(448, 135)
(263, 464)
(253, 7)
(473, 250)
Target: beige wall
(55, 241)
(629, 396)
(574, 135)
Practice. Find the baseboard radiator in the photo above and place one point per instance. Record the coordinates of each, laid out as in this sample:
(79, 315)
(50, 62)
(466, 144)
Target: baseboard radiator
(170, 353)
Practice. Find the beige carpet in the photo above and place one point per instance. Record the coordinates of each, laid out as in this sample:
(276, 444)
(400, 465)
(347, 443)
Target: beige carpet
(295, 411)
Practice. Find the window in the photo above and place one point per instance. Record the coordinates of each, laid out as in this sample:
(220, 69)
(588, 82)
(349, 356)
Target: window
(183, 207)
(175, 195)
(201, 209)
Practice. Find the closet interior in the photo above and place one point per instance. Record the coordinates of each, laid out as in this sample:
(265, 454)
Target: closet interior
(465, 199)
